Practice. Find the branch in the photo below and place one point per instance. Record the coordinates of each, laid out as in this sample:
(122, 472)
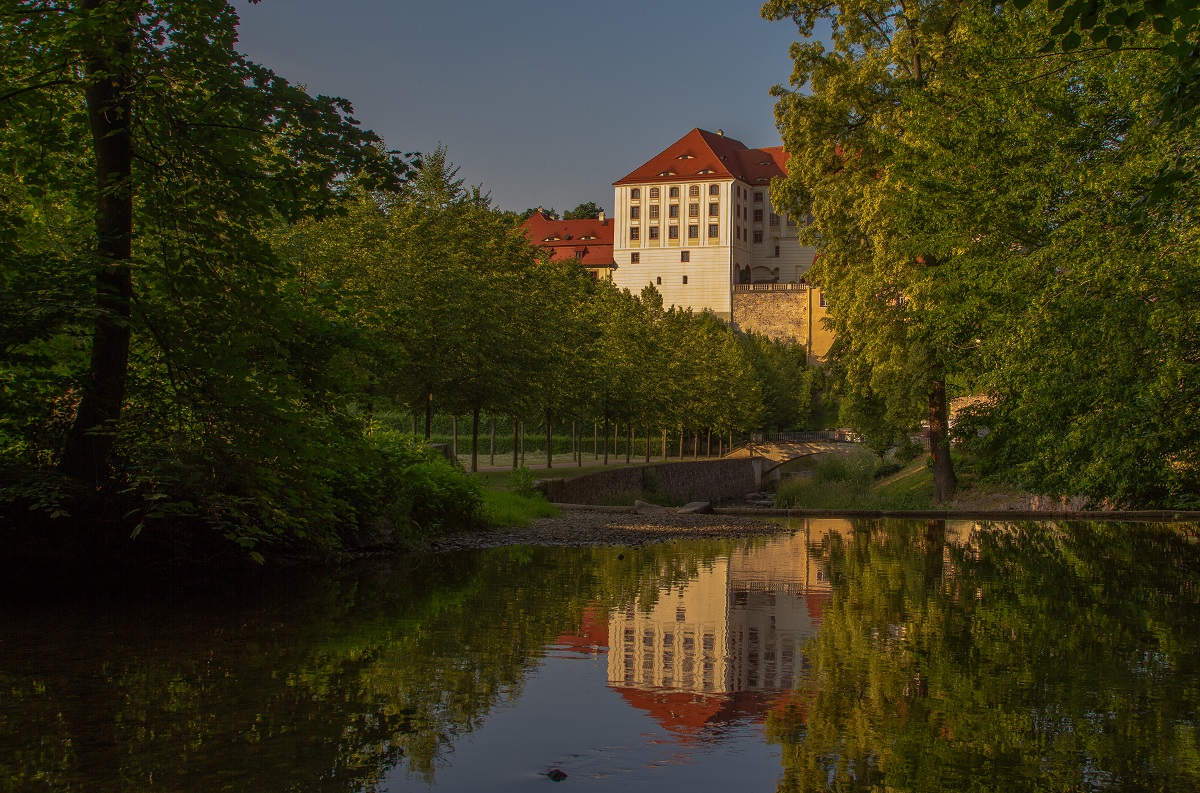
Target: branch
(28, 88)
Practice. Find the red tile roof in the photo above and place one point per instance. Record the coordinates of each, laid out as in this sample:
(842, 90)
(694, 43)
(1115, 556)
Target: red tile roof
(701, 154)
(565, 238)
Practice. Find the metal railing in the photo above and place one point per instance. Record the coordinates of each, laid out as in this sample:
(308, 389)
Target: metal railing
(770, 287)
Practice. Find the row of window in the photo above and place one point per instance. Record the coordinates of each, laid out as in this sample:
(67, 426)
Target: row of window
(714, 210)
(684, 256)
(635, 194)
(714, 231)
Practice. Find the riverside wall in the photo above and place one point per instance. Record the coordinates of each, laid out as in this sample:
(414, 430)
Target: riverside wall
(784, 312)
(696, 480)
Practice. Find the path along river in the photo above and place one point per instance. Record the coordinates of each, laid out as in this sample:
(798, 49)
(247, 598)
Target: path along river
(907, 656)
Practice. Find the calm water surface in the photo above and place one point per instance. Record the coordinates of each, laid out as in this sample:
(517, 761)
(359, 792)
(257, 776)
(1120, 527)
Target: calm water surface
(875, 655)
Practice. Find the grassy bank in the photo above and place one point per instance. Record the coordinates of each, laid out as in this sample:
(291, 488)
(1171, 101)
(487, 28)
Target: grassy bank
(850, 482)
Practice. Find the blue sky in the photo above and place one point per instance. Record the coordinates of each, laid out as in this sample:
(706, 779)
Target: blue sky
(544, 103)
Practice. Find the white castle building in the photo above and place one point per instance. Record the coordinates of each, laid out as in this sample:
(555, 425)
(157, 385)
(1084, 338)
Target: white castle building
(696, 222)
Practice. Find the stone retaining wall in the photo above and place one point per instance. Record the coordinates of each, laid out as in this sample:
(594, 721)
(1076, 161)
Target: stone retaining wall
(700, 480)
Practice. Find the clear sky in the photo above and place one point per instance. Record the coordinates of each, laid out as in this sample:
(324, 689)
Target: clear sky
(544, 103)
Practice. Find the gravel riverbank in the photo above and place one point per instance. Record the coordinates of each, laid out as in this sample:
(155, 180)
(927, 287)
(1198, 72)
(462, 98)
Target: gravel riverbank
(579, 527)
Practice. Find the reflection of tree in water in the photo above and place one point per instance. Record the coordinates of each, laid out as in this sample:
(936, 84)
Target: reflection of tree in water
(300, 685)
(1029, 658)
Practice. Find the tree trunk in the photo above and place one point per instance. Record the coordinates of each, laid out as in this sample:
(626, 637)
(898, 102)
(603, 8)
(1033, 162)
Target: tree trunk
(492, 461)
(549, 441)
(429, 415)
(454, 437)
(682, 435)
(664, 445)
(596, 439)
(89, 443)
(522, 444)
(647, 445)
(629, 445)
(695, 445)
(944, 480)
(515, 442)
(606, 440)
(475, 440)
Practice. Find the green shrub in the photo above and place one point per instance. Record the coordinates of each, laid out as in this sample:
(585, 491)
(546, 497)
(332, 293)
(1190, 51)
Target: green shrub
(857, 468)
(514, 509)
(522, 482)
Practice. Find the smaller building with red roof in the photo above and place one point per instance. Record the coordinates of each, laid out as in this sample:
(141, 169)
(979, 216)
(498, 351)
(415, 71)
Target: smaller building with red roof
(588, 242)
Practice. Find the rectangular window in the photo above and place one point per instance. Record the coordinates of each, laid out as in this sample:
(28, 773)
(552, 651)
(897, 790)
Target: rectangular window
(635, 258)
(693, 210)
(634, 233)
(776, 251)
(635, 194)
(694, 232)
(685, 256)
(823, 303)
(694, 190)
(714, 210)
(658, 280)
(713, 230)
(674, 192)
(774, 219)
(578, 256)
(654, 211)
(685, 279)
(714, 189)
(654, 232)
(673, 211)
(758, 216)
(673, 232)
(757, 195)
(654, 192)
(635, 213)
(758, 236)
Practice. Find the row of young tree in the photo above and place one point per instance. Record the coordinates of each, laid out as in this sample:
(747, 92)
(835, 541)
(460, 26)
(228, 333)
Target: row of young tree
(1005, 202)
(464, 316)
(211, 279)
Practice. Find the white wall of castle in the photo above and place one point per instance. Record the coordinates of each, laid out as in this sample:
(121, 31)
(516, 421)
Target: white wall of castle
(711, 271)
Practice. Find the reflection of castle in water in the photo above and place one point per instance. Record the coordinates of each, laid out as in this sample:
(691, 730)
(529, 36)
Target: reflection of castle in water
(716, 649)
(737, 626)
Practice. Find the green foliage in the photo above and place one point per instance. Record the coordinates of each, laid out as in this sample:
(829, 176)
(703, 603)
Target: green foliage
(972, 201)
(515, 509)
(848, 482)
(522, 482)
(585, 211)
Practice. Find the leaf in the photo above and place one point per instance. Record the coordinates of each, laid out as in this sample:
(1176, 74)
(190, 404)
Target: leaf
(258, 557)
(1071, 41)
(1114, 42)
(1099, 34)
(1162, 25)
(1021, 5)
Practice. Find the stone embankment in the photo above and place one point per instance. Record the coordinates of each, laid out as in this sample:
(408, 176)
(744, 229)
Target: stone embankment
(604, 527)
(699, 480)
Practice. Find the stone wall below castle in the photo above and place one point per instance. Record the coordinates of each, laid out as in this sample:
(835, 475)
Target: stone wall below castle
(785, 313)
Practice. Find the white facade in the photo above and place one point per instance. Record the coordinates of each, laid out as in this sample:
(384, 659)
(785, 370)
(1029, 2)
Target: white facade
(743, 232)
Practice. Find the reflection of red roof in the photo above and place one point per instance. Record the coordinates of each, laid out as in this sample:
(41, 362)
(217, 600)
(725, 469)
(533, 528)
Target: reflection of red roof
(701, 154)
(590, 638)
(816, 603)
(691, 717)
(566, 238)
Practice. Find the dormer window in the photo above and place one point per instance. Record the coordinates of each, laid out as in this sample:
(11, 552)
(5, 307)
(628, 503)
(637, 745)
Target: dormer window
(685, 157)
(666, 173)
(765, 162)
(705, 171)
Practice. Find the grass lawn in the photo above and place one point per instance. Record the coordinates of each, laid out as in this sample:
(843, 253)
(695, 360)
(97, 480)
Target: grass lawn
(501, 508)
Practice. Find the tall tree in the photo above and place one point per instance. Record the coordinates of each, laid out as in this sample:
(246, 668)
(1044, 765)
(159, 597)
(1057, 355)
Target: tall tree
(894, 347)
(176, 117)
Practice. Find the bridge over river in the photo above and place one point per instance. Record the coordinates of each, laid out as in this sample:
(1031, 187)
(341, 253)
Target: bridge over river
(781, 447)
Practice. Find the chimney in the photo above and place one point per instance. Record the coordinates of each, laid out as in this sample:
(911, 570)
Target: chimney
(720, 133)
(603, 220)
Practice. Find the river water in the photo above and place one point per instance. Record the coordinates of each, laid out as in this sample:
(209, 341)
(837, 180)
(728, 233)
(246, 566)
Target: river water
(873, 655)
